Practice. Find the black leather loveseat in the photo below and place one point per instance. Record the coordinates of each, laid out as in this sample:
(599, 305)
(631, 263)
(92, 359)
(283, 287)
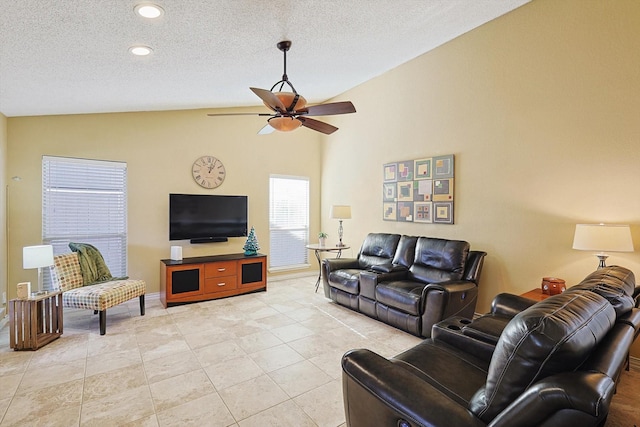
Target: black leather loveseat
(555, 363)
(406, 281)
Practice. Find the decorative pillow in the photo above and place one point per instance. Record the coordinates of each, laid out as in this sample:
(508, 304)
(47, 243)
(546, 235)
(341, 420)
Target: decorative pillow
(66, 271)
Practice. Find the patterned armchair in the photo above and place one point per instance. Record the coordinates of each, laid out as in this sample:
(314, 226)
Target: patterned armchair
(98, 297)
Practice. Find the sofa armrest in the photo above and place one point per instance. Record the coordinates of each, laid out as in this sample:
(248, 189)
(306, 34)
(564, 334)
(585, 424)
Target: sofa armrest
(370, 279)
(586, 392)
(509, 305)
(473, 266)
(333, 264)
(378, 392)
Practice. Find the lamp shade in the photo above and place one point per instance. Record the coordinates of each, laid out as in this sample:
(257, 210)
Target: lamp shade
(341, 212)
(603, 238)
(37, 256)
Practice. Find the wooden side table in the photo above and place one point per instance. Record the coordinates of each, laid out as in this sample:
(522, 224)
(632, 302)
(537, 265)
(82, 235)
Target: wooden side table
(535, 294)
(35, 321)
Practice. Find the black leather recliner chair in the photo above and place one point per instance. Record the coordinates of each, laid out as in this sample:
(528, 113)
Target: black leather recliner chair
(554, 364)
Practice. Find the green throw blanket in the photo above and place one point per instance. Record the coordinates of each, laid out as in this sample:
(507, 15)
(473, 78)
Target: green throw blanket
(94, 269)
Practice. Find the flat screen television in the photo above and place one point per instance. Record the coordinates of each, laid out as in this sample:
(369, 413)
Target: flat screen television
(205, 218)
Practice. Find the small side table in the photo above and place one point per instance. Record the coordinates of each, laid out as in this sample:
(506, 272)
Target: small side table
(535, 294)
(35, 321)
(318, 249)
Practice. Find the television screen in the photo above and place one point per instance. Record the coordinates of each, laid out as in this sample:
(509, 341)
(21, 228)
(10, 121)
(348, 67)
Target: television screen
(205, 217)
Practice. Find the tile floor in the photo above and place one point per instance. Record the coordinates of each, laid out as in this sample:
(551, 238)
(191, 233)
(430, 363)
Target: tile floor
(265, 359)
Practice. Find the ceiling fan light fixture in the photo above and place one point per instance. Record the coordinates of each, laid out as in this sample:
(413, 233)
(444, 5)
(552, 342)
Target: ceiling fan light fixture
(284, 124)
(149, 10)
(288, 99)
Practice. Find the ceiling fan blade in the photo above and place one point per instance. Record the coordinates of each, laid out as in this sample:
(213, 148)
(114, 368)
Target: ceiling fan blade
(332, 108)
(317, 125)
(266, 130)
(270, 99)
(239, 114)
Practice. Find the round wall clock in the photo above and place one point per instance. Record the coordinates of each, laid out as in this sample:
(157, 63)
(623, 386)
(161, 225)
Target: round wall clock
(208, 172)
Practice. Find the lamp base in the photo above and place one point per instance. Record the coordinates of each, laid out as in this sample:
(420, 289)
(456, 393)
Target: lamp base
(602, 258)
(340, 245)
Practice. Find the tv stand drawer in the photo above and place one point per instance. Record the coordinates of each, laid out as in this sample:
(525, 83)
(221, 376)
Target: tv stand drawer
(220, 269)
(220, 284)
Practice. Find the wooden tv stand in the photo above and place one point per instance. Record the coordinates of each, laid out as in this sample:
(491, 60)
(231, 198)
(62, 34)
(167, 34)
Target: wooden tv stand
(210, 277)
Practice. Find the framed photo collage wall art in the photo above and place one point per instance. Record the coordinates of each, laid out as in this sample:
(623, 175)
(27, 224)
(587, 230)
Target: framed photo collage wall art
(419, 190)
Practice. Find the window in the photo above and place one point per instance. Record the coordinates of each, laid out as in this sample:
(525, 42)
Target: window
(85, 201)
(288, 222)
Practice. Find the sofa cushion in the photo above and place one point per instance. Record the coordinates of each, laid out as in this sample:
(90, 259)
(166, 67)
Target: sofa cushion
(347, 280)
(101, 296)
(66, 272)
(614, 283)
(401, 294)
(552, 336)
(378, 248)
(439, 260)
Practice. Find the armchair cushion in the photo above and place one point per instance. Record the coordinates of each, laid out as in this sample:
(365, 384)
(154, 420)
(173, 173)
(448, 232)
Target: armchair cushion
(66, 271)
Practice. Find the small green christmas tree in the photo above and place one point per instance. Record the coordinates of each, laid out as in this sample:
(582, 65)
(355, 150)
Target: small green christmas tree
(252, 246)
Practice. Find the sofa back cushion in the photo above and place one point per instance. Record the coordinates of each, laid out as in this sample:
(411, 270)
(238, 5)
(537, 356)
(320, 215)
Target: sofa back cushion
(406, 251)
(377, 248)
(615, 283)
(552, 336)
(66, 272)
(438, 260)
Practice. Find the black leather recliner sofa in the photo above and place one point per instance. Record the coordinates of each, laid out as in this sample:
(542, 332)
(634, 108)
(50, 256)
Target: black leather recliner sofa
(406, 281)
(555, 363)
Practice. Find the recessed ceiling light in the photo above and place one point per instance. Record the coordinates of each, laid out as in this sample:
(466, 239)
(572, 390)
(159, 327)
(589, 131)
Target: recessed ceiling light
(149, 10)
(140, 50)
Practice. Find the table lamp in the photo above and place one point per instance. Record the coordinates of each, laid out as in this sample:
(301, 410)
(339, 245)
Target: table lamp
(340, 212)
(37, 257)
(602, 238)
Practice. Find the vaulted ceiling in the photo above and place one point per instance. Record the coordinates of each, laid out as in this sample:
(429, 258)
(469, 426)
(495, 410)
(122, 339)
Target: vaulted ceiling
(72, 56)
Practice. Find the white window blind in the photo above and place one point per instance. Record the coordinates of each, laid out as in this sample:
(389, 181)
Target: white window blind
(85, 201)
(288, 222)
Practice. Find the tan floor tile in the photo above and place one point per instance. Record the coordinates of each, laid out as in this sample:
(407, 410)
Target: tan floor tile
(9, 385)
(116, 360)
(200, 338)
(233, 371)
(118, 408)
(170, 366)
(148, 421)
(112, 342)
(182, 388)
(258, 341)
(299, 378)
(51, 375)
(14, 362)
(27, 408)
(253, 396)
(286, 414)
(324, 404)
(219, 352)
(207, 410)
(163, 347)
(103, 385)
(277, 357)
(292, 332)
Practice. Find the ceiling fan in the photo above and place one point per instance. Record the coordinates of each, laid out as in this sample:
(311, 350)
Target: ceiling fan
(290, 109)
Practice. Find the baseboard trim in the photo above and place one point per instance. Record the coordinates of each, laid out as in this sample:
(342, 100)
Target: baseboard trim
(634, 363)
(4, 319)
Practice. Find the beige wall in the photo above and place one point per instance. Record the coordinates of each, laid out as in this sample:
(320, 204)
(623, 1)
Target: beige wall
(541, 109)
(159, 148)
(3, 210)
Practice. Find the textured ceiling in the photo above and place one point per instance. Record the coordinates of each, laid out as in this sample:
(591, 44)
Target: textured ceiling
(71, 56)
